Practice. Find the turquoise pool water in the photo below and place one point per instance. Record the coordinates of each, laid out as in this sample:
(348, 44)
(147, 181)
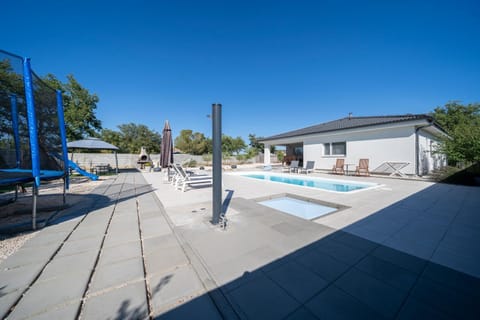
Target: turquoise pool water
(299, 208)
(325, 184)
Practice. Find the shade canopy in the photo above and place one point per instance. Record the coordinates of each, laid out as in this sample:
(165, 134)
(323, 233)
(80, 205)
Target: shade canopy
(94, 144)
(166, 155)
(91, 143)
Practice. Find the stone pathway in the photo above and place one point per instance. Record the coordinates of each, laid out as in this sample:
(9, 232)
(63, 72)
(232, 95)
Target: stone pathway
(113, 256)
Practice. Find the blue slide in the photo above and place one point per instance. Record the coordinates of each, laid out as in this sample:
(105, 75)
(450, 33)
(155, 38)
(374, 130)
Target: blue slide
(75, 167)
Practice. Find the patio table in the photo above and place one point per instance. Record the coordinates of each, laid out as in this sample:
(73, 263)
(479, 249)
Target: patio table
(347, 166)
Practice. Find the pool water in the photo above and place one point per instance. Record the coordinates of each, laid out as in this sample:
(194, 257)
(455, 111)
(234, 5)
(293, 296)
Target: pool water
(325, 184)
(299, 208)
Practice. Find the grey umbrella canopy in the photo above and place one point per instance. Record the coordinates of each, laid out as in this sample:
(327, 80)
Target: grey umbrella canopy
(166, 150)
(94, 144)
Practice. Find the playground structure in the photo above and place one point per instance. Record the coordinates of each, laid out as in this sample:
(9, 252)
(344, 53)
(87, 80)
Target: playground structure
(33, 144)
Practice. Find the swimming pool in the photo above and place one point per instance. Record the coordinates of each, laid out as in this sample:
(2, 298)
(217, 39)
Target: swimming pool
(312, 182)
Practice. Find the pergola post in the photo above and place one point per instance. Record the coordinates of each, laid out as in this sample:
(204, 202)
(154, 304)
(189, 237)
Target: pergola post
(116, 162)
(266, 155)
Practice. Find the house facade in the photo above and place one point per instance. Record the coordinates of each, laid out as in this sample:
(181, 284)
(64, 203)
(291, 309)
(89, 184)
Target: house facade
(407, 141)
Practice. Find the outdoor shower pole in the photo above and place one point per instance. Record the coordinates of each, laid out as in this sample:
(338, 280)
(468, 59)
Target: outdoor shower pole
(217, 161)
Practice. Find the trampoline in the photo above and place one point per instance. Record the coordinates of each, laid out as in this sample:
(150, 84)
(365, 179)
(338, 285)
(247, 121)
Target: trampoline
(32, 129)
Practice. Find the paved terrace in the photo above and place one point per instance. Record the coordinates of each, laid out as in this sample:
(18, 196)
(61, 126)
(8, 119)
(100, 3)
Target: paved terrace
(407, 249)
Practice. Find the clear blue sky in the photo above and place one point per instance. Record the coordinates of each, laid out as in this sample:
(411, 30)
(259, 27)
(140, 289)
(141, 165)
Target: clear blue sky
(274, 65)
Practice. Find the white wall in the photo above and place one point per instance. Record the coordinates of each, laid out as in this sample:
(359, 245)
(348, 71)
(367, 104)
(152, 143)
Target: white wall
(380, 145)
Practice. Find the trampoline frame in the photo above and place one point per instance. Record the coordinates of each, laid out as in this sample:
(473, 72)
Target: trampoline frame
(18, 176)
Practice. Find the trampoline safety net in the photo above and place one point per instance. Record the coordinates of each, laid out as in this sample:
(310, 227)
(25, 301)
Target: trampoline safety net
(32, 129)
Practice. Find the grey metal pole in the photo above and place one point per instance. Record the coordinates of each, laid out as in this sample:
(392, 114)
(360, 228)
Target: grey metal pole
(217, 161)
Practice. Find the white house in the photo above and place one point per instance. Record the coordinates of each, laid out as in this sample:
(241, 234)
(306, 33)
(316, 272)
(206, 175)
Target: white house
(389, 142)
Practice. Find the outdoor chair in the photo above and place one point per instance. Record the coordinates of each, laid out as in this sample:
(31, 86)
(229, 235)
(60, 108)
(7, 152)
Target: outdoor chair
(308, 168)
(362, 168)
(184, 180)
(338, 167)
(293, 166)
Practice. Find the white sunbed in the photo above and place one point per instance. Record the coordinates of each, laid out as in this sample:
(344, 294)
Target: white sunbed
(185, 180)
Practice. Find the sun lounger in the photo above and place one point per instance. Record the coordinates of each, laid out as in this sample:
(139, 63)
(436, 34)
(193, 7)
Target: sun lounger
(362, 168)
(308, 168)
(338, 167)
(185, 180)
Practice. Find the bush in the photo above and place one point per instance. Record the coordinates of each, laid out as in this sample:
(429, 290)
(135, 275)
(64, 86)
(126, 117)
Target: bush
(190, 163)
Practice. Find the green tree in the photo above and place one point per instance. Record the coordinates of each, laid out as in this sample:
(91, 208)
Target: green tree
(231, 145)
(462, 123)
(192, 142)
(256, 145)
(79, 107)
(10, 81)
(132, 137)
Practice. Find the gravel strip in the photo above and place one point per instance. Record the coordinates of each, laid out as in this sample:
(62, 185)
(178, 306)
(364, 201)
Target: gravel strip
(9, 245)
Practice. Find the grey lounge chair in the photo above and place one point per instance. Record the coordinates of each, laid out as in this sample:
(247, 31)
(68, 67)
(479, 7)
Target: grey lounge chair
(308, 168)
(294, 166)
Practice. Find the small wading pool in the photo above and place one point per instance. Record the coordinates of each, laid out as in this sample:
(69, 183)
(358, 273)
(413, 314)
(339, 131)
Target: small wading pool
(300, 208)
(319, 183)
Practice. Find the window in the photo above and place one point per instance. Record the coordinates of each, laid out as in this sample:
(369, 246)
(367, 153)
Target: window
(335, 149)
(326, 148)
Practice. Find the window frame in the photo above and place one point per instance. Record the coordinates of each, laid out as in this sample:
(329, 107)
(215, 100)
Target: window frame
(329, 149)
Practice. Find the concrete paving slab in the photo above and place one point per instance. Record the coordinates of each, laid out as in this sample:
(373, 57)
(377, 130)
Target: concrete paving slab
(32, 255)
(353, 241)
(401, 259)
(77, 246)
(415, 309)
(339, 251)
(159, 243)
(129, 302)
(153, 227)
(397, 277)
(233, 268)
(88, 232)
(116, 274)
(457, 304)
(46, 238)
(467, 262)
(62, 312)
(379, 296)
(297, 280)
(161, 261)
(18, 278)
(451, 278)
(118, 237)
(174, 288)
(301, 314)
(262, 299)
(201, 307)
(81, 263)
(323, 265)
(8, 299)
(123, 251)
(334, 303)
(45, 295)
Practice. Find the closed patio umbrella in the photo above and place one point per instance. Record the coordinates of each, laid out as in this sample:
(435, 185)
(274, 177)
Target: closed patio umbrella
(166, 150)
